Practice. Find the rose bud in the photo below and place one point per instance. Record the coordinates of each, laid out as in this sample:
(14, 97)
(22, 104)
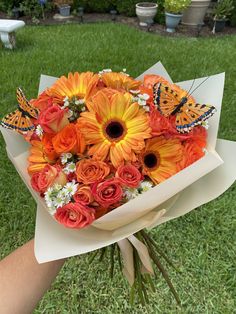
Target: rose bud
(53, 119)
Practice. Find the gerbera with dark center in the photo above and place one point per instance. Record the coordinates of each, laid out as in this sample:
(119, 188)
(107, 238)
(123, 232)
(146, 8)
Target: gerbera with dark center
(79, 85)
(115, 127)
(160, 158)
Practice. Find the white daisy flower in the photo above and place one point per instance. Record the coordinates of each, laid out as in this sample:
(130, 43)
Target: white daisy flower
(144, 96)
(79, 101)
(39, 130)
(105, 71)
(70, 188)
(64, 157)
(52, 210)
(49, 203)
(146, 108)
(131, 193)
(142, 99)
(205, 124)
(134, 91)
(134, 99)
(70, 168)
(146, 185)
(64, 196)
(48, 194)
(70, 113)
(58, 202)
(57, 187)
(142, 102)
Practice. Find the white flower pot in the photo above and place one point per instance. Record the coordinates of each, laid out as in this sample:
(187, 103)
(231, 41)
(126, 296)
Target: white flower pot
(195, 13)
(64, 10)
(146, 12)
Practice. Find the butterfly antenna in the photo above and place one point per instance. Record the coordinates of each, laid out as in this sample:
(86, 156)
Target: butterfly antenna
(200, 85)
(191, 87)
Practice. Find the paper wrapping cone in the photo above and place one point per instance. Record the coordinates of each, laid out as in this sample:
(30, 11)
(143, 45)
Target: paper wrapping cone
(53, 241)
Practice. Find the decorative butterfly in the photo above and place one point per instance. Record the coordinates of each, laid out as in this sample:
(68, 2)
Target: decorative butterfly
(20, 119)
(172, 100)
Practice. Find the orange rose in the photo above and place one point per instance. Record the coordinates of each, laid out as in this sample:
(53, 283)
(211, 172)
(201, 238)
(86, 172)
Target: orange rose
(69, 140)
(90, 171)
(191, 153)
(48, 176)
(75, 215)
(48, 147)
(83, 195)
(53, 119)
(151, 79)
(42, 102)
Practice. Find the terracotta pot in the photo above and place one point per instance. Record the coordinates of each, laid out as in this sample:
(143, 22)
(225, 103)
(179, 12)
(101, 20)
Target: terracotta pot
(146, 12)
(195, 13)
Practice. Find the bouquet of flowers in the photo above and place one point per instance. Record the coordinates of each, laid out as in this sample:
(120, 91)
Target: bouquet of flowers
(108, 155)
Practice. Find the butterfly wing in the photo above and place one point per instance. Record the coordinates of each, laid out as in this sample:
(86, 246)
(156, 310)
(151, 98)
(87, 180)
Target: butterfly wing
(166, 98)
(16, 120)
(192, 114)
(25, 106)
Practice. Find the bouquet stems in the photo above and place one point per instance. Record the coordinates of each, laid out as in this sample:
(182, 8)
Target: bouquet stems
(142, 281)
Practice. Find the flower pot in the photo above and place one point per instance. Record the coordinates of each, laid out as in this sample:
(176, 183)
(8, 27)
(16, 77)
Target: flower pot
(146, 12)
(195, 13)
(172, 20)
(219, 26)
(64, 10)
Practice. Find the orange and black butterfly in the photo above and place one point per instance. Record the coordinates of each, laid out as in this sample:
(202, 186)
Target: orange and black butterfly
(172, 100)
(20, 119)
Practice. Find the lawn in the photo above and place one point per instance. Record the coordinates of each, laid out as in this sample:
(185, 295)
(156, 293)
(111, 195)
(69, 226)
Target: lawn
(201, 244)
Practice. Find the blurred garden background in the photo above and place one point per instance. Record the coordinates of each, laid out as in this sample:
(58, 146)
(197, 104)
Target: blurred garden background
(202, 243)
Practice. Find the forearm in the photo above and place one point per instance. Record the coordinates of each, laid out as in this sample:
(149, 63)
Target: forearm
(23, 281)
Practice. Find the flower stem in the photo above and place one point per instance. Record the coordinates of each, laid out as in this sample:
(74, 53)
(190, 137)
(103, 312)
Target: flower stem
(157, 262)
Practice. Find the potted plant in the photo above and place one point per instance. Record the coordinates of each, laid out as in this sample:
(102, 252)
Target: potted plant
(194, 15)
(221, 12)
(146, 12)
(174, 12)
(64, 7)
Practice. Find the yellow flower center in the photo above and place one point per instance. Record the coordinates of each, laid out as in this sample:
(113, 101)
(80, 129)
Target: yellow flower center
(114, 130)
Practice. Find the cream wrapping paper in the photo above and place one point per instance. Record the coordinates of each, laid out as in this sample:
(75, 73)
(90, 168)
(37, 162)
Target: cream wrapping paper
(179, 194)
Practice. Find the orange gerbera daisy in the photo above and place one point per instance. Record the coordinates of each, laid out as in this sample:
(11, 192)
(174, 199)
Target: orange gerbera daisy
(114, 127)
(38, 159)
(120, 81)
(160, 158)
(79, 85)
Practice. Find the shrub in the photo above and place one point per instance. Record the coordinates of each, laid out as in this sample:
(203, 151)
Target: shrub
(233, 16)
(160, 17)
(223, 9)
(174, 6)
(33, 8)
(127, 7)
(6, 5)
(96, 6)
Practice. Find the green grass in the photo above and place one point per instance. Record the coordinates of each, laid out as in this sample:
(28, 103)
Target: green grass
(202, 243)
